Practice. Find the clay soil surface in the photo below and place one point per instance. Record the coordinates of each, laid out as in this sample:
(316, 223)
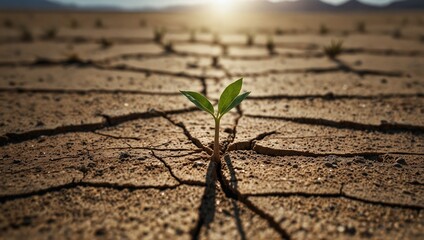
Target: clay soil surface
(97, 142)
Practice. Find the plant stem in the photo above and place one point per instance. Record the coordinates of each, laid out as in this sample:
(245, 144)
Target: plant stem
(215, 156)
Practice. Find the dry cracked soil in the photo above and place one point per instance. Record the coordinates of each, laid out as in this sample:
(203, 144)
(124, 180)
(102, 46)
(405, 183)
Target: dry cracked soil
(97, 142)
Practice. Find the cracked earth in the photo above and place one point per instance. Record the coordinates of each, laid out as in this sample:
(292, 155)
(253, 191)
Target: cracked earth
(97, 142)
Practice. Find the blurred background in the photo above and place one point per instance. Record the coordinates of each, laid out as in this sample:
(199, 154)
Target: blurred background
(289, 15)
(336, 84)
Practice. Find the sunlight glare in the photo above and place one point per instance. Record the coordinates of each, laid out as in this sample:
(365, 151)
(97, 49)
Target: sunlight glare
(222, 6)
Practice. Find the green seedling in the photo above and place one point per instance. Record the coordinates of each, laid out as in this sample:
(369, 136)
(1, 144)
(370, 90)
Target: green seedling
(158, 34)
(73, 58)
(215, 62)
(169, 47)
(99, 23)
(361, 27)
(250, 38)
(192, 65)
(397, 33)
(334, 49)
(105, 43)
(323, 29)
(279, 31)
(270, 45)
(26, 34)
(228, 100)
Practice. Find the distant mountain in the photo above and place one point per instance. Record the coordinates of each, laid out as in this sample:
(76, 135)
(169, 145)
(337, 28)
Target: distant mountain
(292, 6)
(50, 5)
(31, 4)
(259, 6)
(264, 6)
(406, 4)
(300, 5)
(354, 5)
(304, 6)
(309, 6)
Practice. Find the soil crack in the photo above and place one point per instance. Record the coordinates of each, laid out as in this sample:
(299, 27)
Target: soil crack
(88, 91)
(109, 121)
(249, 145)
(82, 183)
(382, 127)
(341, 194)
(179, 180)
(187, 133)
(334, 96)
(230, 190)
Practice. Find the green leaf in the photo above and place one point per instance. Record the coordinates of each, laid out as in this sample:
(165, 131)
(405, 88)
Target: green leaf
(200, 101)
(229, 94)
(235, 102)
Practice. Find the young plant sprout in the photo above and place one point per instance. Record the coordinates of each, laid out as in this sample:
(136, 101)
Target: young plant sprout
(279, 31)
(169, 47)
(361, 27)
(73, 58)
(105, 43)
(334, 49)
(50, 33)
(159, 34)
(323, 29)
(98, 23)
(228, 100)
(250, 38)
(215, 62)
(270, 45)
(397, 33)
(26, 34)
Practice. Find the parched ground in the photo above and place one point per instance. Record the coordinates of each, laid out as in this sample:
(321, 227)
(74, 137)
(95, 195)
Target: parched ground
(97, 142)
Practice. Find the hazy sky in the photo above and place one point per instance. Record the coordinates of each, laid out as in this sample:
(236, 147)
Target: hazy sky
(160, 3)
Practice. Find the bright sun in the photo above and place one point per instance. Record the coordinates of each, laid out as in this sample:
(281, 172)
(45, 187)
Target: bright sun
(222, 5)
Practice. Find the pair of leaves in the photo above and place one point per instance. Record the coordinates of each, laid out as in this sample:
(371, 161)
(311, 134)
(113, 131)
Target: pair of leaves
(228, 100)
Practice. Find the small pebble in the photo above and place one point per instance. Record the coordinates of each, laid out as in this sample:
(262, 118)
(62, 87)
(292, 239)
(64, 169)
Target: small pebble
(123, 155)
(17, 161)
(397, 165)
(401, 161)
(330, 165)
(198, 164)
(350, 230)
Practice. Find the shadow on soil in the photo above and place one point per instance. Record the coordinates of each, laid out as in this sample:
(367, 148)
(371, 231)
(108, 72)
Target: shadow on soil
(207, 208)
(233, 185)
